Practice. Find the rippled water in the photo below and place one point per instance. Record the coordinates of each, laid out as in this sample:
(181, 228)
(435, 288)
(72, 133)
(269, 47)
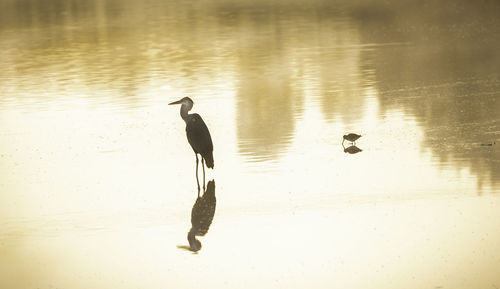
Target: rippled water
(98, 180)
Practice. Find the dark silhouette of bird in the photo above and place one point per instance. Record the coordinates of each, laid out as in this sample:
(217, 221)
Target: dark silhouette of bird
(352, 137)
(488, 144)
(202, 216)
(352, 149)
(198, 136)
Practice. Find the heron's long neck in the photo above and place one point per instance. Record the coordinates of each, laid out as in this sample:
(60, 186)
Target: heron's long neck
(191, 234)
(184, 112)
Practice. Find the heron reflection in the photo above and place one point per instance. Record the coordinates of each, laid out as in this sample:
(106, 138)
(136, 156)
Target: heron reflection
(198, 136)
(202, 216)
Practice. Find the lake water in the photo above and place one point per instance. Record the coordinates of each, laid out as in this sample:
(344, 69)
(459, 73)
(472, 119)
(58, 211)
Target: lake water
(98, 180)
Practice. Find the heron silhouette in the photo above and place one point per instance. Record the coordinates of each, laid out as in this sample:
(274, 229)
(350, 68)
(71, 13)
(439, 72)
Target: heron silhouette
(198, 136)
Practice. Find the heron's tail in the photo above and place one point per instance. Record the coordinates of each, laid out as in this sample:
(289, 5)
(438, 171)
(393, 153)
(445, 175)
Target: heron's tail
(209, 160)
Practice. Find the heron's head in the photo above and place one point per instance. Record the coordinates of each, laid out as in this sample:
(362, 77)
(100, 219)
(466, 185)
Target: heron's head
(186, 102)
(194, 244)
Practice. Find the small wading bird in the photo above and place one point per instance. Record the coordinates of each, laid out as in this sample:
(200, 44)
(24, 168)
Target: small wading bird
(198, 136)
(352, 137)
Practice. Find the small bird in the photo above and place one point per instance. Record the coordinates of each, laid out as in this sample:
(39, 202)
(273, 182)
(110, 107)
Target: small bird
(202, 216)
(198, 135)
(352, 137)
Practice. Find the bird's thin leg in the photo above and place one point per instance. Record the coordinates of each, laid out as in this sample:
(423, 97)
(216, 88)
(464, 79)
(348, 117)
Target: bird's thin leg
(203, 166)
(197, 181)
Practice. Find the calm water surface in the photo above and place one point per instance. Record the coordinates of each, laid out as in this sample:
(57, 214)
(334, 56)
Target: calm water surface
(97, 178)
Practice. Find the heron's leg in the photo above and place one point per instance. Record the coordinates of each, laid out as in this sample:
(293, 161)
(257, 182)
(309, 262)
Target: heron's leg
(197, 181)
(203, 166)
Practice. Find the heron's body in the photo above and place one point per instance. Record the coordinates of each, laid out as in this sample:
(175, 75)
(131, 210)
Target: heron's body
(199, 138)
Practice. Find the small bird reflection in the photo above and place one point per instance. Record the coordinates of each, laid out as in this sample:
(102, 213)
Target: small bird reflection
(202, 216)
(487, 144)
(352, 149)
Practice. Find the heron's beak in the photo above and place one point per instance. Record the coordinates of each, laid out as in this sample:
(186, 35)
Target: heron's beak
(175, 102)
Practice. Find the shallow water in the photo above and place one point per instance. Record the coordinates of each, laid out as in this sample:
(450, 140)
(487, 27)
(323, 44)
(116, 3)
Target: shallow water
(98, 180)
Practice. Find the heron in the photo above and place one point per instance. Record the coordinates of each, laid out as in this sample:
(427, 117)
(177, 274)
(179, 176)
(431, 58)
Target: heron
(352, 137)
(198, 136)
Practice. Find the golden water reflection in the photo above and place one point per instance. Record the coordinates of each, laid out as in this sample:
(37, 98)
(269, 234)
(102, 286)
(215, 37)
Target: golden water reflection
(98, 178)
